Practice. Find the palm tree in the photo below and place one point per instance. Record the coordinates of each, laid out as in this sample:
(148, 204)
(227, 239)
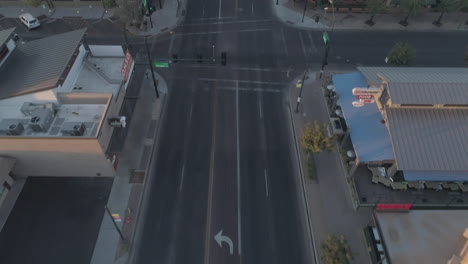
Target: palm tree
(411, 7)
(375, 7)
(446, 6)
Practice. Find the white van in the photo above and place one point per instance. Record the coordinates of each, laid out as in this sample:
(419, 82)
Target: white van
(29, 21)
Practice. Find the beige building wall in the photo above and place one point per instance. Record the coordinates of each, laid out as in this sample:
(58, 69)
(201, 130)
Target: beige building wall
(56, 156)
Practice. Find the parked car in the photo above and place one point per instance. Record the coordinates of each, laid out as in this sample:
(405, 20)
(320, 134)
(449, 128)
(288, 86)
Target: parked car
(29, 20)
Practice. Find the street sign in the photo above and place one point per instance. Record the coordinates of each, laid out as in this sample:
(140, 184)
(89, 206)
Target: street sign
(366, 91)
(367, 101)
(365, 96)
(325, 37)
(161, 64)
(358, 104)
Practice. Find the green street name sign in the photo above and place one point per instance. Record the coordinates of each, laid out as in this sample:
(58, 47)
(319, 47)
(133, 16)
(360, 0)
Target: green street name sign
(325, 37)
(161, 64)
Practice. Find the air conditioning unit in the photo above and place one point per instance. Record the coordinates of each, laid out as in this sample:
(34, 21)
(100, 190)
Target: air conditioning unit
(41, 119)
(13, 127)
(73, 129)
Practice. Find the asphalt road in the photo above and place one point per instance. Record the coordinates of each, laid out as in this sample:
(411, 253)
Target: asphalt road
(225, 159)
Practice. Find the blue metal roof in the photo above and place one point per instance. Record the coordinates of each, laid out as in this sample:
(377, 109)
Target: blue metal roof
(435, 175)
(370, 137)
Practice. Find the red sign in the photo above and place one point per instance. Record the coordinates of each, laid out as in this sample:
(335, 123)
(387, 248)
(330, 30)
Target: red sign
(365, 96)
(393, 207)
(367, 101)
(126, 65)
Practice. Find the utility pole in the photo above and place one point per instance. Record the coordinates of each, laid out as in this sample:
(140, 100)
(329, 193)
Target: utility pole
(151, 68)
(300, 92)
(115, 224)
(305, 7)
(149, 14)
(325, 59)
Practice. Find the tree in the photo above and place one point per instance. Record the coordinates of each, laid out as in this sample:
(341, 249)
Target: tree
(446, 6)
(129, 11)
(335, 250)
(33, 3)
(411, 7)
(375, 7)
(463, 6)
(401, 54)
(313, 138)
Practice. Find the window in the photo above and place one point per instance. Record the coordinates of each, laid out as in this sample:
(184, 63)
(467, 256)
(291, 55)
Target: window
(3, 53)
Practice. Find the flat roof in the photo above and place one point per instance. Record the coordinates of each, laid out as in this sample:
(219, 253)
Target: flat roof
(422, 236)
(39, 64)
(370, 137)
(429, 139)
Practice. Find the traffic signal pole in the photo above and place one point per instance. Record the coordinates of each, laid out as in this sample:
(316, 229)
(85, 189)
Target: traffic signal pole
(151, 68)
(149, 14)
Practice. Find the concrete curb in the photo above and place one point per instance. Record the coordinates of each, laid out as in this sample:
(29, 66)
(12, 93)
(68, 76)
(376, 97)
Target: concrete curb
(302, 180)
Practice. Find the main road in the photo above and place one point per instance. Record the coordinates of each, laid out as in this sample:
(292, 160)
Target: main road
(225, 186)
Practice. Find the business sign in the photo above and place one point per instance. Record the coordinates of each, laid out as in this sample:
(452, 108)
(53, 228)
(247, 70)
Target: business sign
(367, 101)
(126, 65)
(393, 207)
(366, 91)
(365, 97)
(358, 104)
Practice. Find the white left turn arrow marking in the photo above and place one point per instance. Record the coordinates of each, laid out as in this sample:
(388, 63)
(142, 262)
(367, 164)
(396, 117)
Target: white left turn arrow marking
(220, 238)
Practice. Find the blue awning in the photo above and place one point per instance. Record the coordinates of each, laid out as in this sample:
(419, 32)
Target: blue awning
(435, 175)
(370, 137)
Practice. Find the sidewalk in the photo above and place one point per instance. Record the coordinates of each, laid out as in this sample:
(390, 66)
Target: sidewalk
(164, 19)
(330, 205)
(291, 13)
(128, 183)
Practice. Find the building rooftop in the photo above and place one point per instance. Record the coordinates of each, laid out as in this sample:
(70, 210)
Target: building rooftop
(424, 93)
(414, 74)
(38, 65)
(429, 138)
(369, 135)
(5, 34)
(422, 236)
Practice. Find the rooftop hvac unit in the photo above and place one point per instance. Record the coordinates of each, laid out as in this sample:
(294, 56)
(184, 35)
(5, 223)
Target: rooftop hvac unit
(73, 129)
(12, 127)
(41, 119)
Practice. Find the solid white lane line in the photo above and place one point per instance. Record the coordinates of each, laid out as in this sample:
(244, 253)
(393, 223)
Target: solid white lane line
(239, 245)
(260, 108)
(314, 47)
(220, 32)
(266, 182)
(284, 43)
(219, 10)
(226, 22)
(239, 81)
(302, 44)
(252, 9)
(182, 178)
(171, 44)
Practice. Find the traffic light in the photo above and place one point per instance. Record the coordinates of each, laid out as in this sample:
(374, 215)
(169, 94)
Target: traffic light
(174, 58)
(223, 58)
(151, 9)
